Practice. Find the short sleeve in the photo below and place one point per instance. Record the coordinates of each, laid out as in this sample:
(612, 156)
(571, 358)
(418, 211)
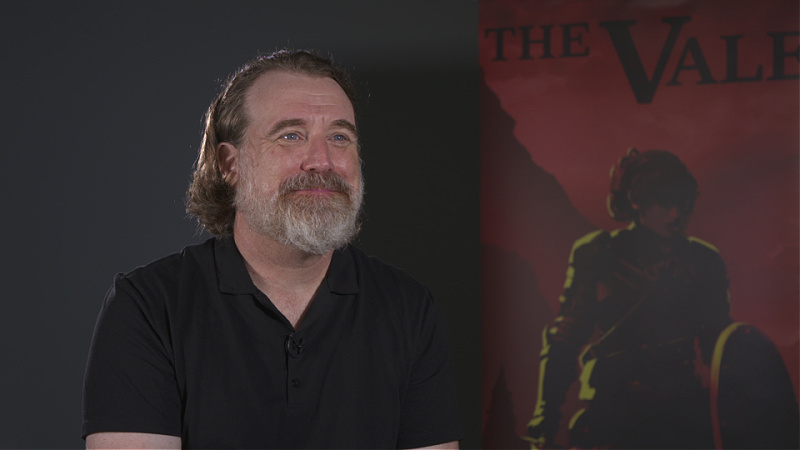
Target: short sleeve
(429, 414)
(130, 383)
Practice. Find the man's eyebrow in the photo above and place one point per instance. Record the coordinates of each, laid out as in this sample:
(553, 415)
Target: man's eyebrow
(347, 125)
(285, 124)
(288, 123)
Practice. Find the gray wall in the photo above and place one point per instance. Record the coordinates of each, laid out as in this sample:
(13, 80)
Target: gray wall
(101, 118)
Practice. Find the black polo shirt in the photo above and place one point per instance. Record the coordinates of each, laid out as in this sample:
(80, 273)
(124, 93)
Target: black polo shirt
(188, 346)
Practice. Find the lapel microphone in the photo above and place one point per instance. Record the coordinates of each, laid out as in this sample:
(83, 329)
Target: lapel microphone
(293, 348)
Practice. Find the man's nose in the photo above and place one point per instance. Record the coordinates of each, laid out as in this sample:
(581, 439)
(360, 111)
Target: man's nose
(318, 156)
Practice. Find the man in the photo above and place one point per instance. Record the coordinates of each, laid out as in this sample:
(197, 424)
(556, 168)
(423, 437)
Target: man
(275, 333)
(641, 311)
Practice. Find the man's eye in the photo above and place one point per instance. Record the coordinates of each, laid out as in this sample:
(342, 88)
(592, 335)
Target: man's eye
(340, 137)
(290, 136)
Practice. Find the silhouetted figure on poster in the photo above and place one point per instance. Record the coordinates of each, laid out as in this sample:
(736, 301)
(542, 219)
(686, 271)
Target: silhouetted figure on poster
(640, 317)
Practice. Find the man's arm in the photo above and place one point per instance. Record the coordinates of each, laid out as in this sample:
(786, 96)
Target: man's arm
(137, 440)
(130, 382)
(563, 339)
(430, 412)
(161, 441)
(445, 446)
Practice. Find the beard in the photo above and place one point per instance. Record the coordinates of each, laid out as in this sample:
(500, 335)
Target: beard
(314, 224)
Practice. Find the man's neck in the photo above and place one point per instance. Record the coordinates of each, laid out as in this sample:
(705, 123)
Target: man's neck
(287, 275)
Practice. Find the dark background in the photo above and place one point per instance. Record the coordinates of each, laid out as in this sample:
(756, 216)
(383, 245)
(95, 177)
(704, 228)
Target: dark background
(102, 107)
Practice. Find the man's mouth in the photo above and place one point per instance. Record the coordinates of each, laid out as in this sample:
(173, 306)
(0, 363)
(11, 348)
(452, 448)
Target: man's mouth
(316, 185)
(676, 227)
(319, 190)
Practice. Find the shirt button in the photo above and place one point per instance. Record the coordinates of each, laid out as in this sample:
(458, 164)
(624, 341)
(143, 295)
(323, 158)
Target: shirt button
(295, 382)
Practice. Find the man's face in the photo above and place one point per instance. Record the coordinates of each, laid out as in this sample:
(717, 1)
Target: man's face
(665, 221)
(299, 175)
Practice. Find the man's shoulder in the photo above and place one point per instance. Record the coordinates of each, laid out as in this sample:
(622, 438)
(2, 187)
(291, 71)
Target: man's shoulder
(597, 237)
(705, 254)
(373, 271)
(702, 246)
(166, 272)
(590, 247)
(191, 254)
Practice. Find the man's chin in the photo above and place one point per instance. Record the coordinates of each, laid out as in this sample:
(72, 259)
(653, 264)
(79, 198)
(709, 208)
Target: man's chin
(678, 230)
(669, 232)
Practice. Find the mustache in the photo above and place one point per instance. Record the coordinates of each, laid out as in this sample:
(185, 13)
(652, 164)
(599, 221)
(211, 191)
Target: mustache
(307, 181)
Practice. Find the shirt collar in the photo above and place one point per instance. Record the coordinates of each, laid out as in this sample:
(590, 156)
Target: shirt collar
(234, 278)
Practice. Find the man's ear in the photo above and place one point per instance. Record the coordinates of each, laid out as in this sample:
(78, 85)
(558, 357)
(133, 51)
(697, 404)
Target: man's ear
(228, 163)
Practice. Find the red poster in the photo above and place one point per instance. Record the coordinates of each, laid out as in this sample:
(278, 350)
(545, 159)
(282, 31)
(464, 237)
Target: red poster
(568, 87)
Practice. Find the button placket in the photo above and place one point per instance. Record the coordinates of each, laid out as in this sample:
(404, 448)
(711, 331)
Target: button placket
(294, 356)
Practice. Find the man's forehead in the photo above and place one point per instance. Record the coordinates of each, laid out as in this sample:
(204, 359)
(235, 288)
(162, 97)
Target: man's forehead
(282, 86)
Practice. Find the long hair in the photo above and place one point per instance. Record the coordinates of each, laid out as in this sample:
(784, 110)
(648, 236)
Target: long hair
(210, 198)
(652, 176)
